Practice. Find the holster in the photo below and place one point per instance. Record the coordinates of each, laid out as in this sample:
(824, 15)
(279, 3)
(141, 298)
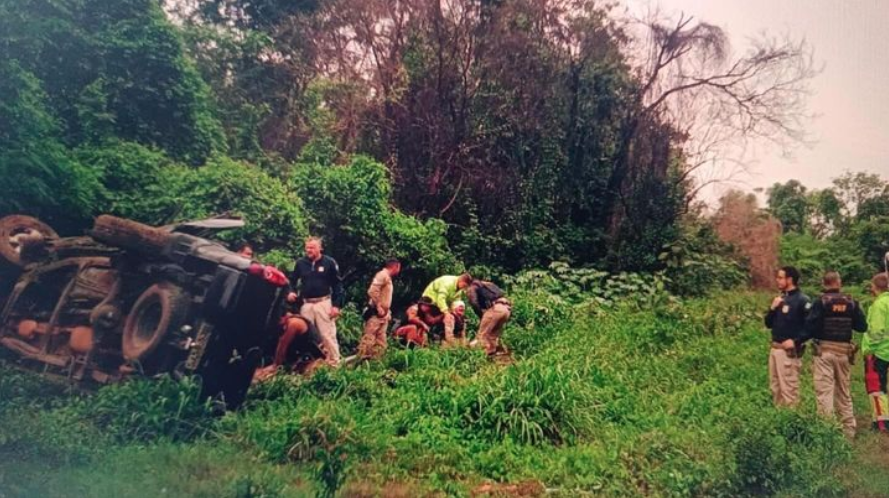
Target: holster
(853, 352)
(816, 348)
(369, 311)
(797, 352)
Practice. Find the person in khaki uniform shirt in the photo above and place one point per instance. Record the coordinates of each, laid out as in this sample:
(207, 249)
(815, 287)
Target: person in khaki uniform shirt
(787, 319)
(378, 314)
(830, 323)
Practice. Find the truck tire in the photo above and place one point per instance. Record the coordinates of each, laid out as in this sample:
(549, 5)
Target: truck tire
(129, 234)
(157, 311)
(15, 228)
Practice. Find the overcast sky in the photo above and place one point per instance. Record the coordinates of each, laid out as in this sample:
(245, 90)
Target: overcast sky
(850, 96)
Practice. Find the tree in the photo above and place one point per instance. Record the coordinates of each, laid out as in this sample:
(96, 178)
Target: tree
(536, 130)
(755, 233)
(113, 69)
(789, 203)
(855, 189)
(875, 207)
(872, 237)
(38, 175)
(826, 214)
(690, 80)
(260, 58)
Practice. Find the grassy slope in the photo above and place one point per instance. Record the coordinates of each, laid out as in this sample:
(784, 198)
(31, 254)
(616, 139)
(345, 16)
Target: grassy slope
(670, 402)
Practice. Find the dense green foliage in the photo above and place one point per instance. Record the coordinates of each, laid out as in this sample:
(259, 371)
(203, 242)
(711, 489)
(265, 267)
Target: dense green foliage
(113, 69)
(643, 396)
(813, 257)
(37, 173)
(843, 228)
(516, 162)
(351, 206)
(507, 137)
(698, 262)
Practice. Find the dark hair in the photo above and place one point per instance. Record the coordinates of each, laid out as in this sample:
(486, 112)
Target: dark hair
(792, 273)
(391, 262)
(244, 245)
(425, 300)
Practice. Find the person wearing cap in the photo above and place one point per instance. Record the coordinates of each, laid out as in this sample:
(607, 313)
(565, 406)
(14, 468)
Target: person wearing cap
(443, 291)
(319, 294)
(378, 314)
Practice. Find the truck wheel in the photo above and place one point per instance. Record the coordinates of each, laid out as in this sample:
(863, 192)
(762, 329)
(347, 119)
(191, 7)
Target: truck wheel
(129, 234)
(13, 230)
(161, 308)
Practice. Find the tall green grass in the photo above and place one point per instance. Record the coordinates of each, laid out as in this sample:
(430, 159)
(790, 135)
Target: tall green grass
(648, 397)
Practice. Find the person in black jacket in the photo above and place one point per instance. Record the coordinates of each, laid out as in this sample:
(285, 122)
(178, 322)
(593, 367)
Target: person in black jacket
(830, 323)
(786, 317)
(319, 292)
(493, 308)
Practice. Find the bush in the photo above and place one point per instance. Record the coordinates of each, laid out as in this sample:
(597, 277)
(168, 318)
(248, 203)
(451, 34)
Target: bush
(148, 410)
(274, 216)
(787, 451)
(530, 403)
(350, 206)
(127, 170)
(589, 288)
(814, 256)
(699, 263)
(38, 175)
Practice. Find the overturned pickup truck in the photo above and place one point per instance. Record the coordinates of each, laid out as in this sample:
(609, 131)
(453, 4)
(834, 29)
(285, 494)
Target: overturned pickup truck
(130, 299)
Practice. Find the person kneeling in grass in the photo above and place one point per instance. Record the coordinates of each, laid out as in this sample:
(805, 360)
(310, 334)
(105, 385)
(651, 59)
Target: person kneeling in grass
(298, 349)
(421, 317)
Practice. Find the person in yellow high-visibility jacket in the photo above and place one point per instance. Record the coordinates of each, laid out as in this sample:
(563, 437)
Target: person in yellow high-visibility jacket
(443, 291)
(875, 348)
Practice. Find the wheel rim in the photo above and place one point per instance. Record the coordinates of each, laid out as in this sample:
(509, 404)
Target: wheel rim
(147, 323)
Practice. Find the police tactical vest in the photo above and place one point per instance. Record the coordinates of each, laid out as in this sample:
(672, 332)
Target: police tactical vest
(838, 312)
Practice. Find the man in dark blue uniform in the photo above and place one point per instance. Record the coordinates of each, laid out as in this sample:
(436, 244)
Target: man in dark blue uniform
(319, 292)
(831, 321)
(787, 319)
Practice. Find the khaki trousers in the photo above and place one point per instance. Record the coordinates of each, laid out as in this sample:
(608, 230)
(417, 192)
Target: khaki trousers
(831, 376)
(319, 314)
(491, 327)
(373, 342)
(449, 322)
(784, 377)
